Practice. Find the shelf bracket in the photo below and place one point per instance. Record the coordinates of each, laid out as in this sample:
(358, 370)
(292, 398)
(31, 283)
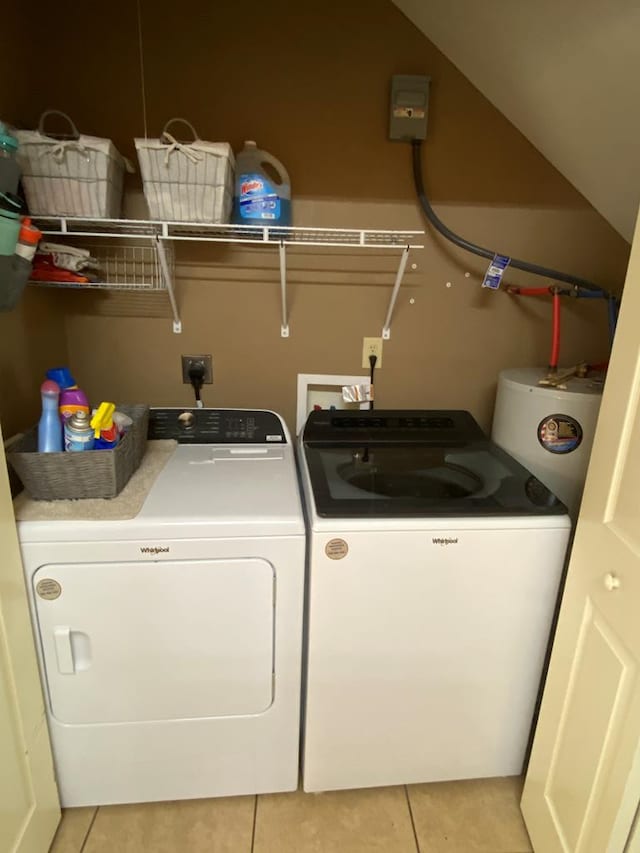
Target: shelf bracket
(284, 328)
(168, 283)
(404, 257)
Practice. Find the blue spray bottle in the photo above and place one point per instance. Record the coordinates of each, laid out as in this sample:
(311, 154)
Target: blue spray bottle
(50, 425)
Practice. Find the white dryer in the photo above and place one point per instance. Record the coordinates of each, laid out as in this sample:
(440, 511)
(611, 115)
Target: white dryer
(170, 643)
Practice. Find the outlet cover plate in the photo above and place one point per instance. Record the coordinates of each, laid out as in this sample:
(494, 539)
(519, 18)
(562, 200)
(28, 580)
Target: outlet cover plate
(207, 361)
(371, 346)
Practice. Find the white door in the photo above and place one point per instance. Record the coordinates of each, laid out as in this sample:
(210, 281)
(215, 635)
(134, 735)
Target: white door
(163, 640)
(29, 809)
(583, 782)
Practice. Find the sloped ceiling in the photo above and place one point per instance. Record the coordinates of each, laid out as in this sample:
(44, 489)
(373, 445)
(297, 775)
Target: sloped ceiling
(566, 74)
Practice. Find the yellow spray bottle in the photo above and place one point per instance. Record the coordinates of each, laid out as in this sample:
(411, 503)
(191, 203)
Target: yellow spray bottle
(104, 429)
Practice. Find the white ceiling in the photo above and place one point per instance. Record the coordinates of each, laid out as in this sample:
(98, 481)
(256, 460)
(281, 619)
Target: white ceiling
(566, 73)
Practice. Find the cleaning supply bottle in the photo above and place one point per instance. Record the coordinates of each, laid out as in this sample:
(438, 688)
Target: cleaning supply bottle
(123, 422)
(50, 426)
(72, 398)
(262, 197)
(105, 430)
(78, 433)
(28, 240)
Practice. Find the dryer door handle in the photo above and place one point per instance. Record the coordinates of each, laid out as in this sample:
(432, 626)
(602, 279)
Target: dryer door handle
(64, 651)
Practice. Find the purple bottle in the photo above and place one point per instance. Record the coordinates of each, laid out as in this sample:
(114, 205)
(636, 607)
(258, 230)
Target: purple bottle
(72, 398)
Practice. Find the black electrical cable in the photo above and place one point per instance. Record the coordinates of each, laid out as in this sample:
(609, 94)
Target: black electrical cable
(196, 377)
(372, 364)
(450, 235)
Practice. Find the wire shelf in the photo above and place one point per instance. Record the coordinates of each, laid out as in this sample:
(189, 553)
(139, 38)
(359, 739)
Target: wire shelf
(122, 267)
(204, 232)
(130, 267)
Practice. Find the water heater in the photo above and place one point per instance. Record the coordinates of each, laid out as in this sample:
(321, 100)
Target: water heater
(549, 430)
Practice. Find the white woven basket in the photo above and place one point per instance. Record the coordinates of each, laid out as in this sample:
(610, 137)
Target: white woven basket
(186, 182)
(75, 176)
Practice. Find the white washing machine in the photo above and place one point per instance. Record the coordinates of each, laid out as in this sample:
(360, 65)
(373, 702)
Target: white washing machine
(434, 566)
(170, 643)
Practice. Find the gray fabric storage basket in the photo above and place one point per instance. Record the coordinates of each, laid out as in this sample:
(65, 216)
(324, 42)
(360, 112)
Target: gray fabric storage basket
(84, 474)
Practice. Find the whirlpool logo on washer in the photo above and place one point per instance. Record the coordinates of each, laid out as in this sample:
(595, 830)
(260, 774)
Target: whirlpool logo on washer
(154, 549)
(444, 540)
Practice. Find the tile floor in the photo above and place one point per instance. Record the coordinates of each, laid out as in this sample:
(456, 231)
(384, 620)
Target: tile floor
(479, 816)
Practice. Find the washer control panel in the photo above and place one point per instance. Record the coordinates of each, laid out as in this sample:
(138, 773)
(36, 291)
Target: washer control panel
(216, 426)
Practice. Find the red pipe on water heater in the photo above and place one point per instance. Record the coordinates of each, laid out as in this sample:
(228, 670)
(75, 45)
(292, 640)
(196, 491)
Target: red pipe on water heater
(555, 323)
(555, 334)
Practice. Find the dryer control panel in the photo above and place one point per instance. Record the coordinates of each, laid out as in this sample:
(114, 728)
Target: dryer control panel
(216, 426)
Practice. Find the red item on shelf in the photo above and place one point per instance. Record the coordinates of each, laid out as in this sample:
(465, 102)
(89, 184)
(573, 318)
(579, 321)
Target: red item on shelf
(45, 270)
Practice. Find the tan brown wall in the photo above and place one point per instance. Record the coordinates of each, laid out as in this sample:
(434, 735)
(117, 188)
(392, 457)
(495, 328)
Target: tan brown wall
(310, 83)
(32, 336)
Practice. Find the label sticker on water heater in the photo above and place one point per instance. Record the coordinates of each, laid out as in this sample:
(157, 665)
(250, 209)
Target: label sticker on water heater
(559, 434)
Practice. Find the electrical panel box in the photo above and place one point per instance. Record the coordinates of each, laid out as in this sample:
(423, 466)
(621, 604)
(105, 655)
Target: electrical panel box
(409, 107)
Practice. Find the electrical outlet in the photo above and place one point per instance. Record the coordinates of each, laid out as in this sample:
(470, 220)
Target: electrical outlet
(205, 360)
(371, 346)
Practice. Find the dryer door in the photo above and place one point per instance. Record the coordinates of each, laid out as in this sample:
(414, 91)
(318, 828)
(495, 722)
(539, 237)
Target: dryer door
(157, 640)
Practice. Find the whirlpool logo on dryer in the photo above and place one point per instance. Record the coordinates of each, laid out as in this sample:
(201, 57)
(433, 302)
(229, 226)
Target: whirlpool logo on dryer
(154, 549)
(445, 540)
